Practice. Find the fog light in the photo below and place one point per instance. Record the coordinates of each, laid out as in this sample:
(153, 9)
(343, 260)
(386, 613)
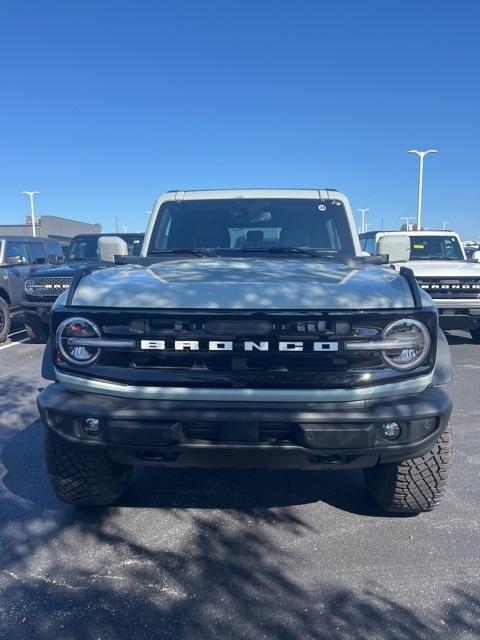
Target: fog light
(91, 426)
(390, 430)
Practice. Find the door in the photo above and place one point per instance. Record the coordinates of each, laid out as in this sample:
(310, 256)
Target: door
(17, 273)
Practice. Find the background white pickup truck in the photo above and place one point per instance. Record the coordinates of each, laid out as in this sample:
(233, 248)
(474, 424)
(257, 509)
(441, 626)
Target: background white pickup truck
(440, 265)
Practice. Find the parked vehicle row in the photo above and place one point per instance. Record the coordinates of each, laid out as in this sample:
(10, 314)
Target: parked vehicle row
(44, 285)
(18, 255)
(34, 271)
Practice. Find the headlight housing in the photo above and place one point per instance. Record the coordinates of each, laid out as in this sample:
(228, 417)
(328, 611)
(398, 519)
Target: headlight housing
(72, 328)
(32, 286)
(408, 344)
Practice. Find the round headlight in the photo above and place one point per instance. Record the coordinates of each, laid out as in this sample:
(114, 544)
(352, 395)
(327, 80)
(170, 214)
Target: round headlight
(70, 333)
(31, 286)
(410, 344)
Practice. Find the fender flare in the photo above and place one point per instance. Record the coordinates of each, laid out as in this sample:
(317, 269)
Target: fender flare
(443, 371)
(48, 370)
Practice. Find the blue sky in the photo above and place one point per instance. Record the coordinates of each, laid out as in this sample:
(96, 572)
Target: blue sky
(107, 103)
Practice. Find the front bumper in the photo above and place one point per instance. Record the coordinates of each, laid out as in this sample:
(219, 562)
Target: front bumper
(458, 314)
(303, 435)
(42, 308)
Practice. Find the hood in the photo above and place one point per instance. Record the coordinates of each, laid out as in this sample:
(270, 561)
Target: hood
(63, 269)
(444, 268)
(252, 283)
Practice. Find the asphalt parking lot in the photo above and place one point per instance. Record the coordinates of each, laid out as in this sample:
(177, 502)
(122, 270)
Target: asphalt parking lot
(217, 554)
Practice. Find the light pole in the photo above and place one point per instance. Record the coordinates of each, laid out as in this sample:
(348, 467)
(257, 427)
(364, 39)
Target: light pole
(363, 212)
(445, 225)
(407, 220)
(421, 155)
(30, 194)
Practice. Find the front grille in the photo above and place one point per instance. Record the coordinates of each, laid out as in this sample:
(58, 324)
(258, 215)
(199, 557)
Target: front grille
(451, 288)
(214, 351)
(321, 339)
(48, 286)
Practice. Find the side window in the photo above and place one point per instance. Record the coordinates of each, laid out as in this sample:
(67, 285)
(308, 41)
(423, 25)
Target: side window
(15, 249)
(37, 251)
(368, 245)
(54, 248)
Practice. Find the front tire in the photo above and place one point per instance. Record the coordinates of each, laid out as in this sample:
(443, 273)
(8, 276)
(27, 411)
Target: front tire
(83, 475)
(5, 319)
(413, 485)
(36, 330)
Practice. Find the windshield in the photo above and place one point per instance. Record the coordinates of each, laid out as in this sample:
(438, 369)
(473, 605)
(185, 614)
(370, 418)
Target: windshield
(86, 247)
(252, 224)
(435, 248)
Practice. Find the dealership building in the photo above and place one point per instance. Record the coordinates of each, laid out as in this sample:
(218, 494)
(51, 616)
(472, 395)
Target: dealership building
(62, 229)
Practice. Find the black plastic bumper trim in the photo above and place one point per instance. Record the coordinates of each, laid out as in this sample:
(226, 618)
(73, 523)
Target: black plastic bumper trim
(320, 429)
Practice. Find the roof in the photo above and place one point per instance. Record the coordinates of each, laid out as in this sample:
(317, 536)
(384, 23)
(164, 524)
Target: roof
(441, 232)
(140, 234)
(25, 238)
(252, 193)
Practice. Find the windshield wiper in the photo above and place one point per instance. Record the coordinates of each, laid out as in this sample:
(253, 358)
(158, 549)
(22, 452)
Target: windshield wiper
(201, 253)
(314, 253)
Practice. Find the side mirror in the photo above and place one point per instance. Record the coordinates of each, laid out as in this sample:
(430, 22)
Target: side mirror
(476, 256)
(397, 248)
(111, 246)
(14, 261)
(54, 259)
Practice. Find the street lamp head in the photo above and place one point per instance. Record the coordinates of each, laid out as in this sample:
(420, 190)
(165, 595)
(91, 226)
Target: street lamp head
(422, 153)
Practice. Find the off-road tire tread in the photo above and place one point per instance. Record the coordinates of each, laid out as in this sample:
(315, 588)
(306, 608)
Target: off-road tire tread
(413, 485)
(83, 476)
(36, 331)
(6, 313)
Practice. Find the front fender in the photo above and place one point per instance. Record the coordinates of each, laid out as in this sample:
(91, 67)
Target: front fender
(443, 372)
(48, 370)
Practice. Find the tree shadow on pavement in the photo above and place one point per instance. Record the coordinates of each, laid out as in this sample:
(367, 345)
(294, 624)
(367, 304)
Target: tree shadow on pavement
(222, 563)
(220, 581)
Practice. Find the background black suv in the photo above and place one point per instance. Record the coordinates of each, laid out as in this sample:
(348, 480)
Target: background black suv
(46, 283)
(18, 254)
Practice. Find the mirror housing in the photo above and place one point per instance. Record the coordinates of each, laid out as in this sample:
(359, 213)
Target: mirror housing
(111, 246)
(54, 259)
(14, 261)
(397, 247)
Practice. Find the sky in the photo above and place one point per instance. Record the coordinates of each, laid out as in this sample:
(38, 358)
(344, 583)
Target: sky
(105, 104)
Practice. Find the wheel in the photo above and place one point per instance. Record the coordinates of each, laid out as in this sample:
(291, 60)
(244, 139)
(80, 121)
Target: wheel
(36, 329)
(82, 475)
(5, 319)
(475, 333)
(413, 485)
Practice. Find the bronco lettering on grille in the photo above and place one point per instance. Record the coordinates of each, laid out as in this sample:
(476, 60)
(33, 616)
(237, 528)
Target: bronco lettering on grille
(245, 345)
(437, 287)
